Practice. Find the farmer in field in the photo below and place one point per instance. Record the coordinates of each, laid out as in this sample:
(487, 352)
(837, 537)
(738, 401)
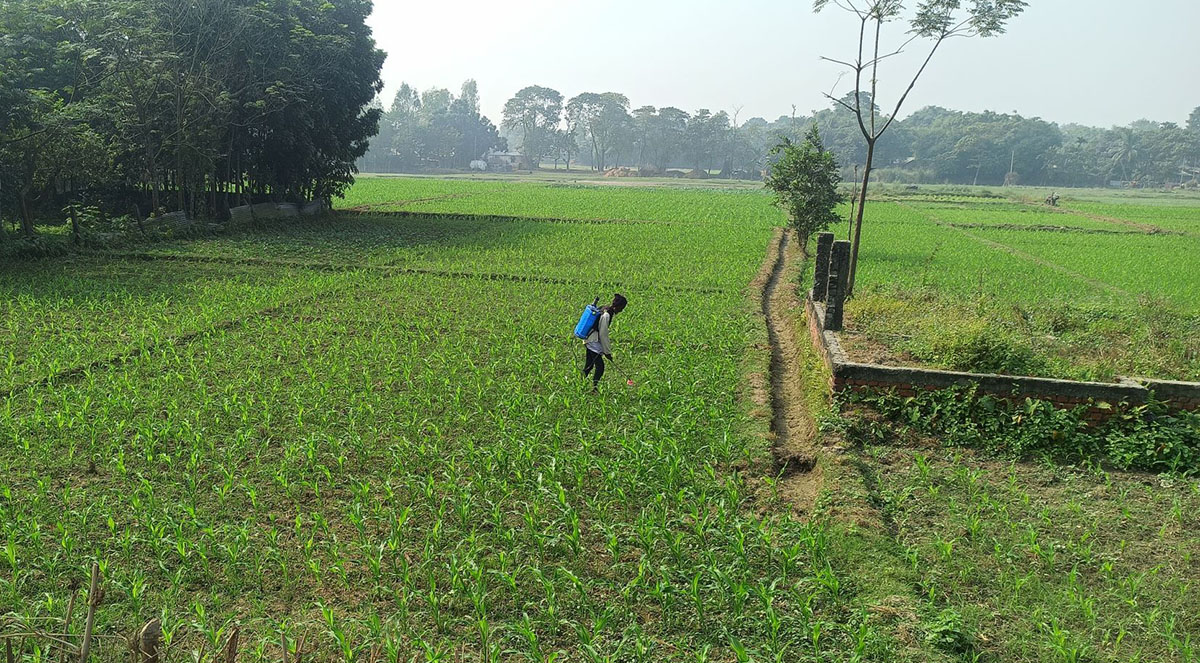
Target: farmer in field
(598, 344)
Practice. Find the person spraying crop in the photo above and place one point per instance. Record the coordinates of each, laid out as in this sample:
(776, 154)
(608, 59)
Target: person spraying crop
(593, 328)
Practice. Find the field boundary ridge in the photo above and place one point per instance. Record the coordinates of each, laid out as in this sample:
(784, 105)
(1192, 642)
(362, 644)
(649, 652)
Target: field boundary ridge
(400, 269)
(177, 340)
(497, 218)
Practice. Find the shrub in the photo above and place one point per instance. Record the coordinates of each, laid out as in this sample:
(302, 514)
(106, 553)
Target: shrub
(805, 180)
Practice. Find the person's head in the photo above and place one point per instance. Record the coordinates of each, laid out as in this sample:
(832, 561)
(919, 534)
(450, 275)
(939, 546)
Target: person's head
(618, 303)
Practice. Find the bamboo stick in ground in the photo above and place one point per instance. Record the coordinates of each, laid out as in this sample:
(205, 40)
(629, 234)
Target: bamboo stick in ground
(93, 602)
(62, 657)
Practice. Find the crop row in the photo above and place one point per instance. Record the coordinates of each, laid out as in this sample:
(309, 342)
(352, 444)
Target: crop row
(62, 315)
(985, 295)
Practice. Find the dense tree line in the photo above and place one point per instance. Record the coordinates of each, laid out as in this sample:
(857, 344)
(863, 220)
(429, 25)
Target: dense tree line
(931, 145)
(148, 106)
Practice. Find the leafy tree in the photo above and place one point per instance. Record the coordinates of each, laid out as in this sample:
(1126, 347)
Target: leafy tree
(934, 21)
(1124, 150)
(565, 145)
(805, 180)
(534, 113)
(668, 133)
(600, 119)
(48, 147)
(705, 136)
(434, 129)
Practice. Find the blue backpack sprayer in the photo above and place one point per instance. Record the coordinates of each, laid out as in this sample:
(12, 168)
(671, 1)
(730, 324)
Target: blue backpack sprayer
(587, 321)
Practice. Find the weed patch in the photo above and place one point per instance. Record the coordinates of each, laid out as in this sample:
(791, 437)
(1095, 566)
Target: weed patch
(1146, 437)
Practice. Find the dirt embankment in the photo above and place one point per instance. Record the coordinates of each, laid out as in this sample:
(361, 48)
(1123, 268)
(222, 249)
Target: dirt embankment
(795, 446)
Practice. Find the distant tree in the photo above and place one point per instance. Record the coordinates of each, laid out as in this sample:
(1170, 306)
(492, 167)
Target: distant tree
(404, 117)
(599, 119)
(1193, 121)
(1124, 152)
(566, 146)
(935, 21)
(705, 137)
(477, 134)
(534, 113)
(668, 136)
(805, 179)
(468, 97)
(642, 128)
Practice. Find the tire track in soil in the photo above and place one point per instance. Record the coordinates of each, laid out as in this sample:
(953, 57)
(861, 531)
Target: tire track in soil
(794, 447)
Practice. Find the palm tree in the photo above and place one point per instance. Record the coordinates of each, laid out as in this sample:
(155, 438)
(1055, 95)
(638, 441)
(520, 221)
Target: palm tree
(1125, 152)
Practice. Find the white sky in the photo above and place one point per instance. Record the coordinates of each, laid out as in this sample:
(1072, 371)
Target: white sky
(1097, 62)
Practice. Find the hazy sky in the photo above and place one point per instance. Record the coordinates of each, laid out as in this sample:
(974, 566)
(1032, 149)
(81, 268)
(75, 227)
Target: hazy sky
(1098, 62)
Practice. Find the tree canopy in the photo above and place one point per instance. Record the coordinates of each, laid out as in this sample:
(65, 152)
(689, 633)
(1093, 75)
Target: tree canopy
(156, 105)
(534, 114)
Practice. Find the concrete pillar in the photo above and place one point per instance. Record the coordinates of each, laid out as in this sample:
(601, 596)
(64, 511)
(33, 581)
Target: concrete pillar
(821, 270)
(839, 276)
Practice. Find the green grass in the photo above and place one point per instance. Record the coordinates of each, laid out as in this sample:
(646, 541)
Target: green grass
(1055, 294)
(595, 200)
(1034, 562)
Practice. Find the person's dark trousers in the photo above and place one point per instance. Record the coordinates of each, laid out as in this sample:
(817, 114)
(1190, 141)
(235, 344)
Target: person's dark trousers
(595, 360)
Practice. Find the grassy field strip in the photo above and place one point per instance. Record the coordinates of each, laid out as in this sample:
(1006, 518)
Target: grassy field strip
(74, 312)
(1153, 218)
(1035, 562)
(369, 207)
(1023, 255)
(716, 256)
(1157, 268)
(400, 269)
(1014, 215)
(575, 201)
(1058, 229)
(268, 470)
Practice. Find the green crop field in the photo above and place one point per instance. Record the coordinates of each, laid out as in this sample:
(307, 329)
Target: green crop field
(376, 433)
(1095, 289)
(373, 431)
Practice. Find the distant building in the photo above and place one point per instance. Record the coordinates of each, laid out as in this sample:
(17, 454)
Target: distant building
(503, 162)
